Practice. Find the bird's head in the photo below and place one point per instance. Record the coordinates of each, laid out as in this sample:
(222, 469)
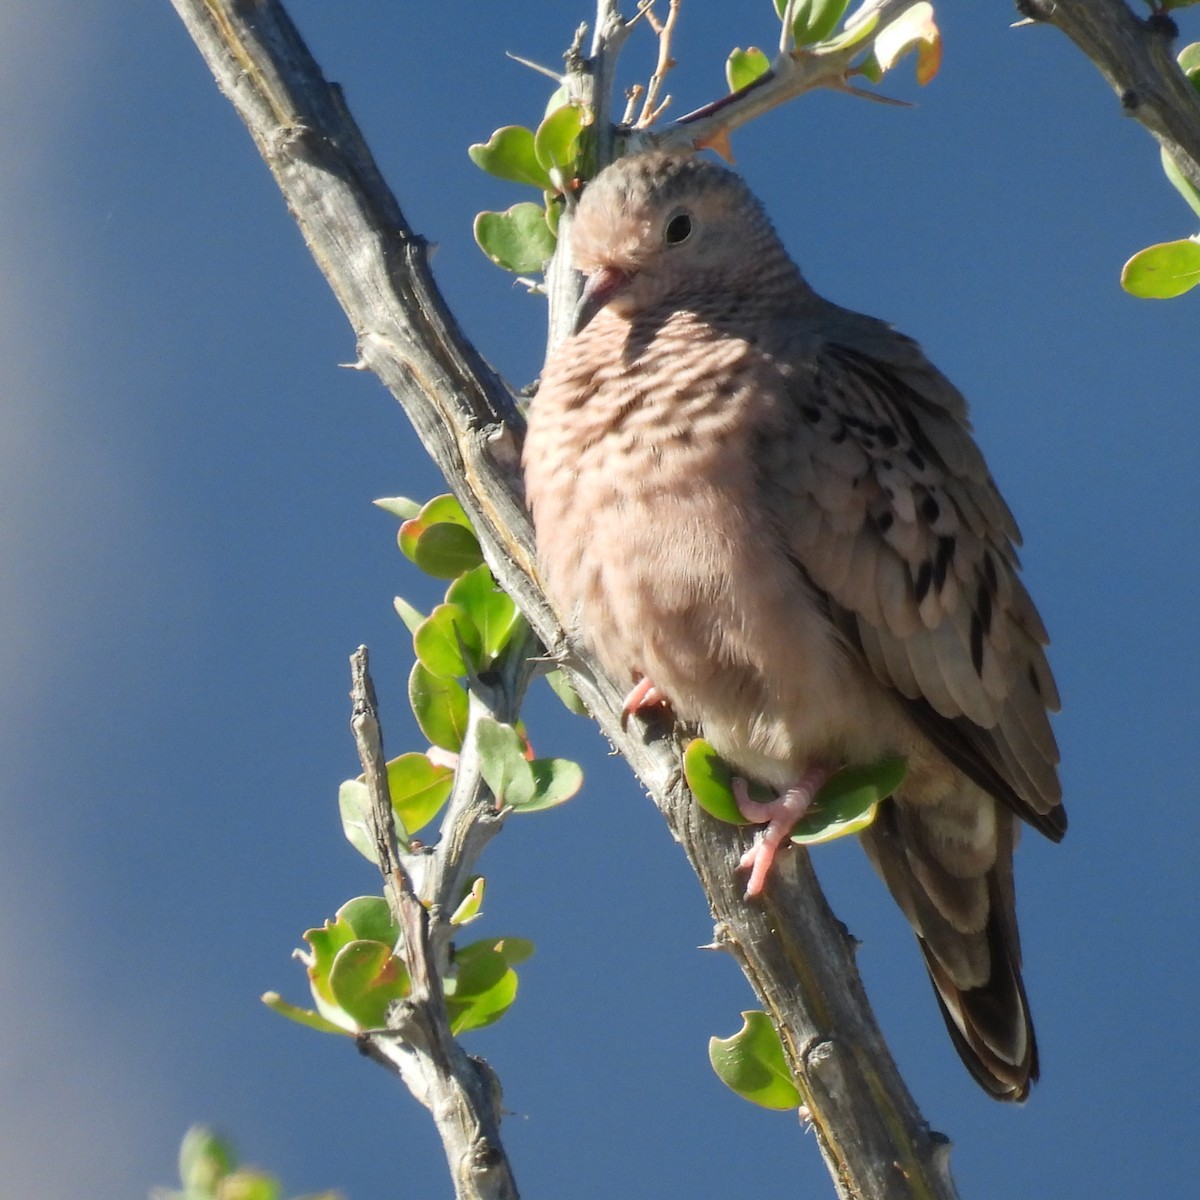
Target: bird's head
(656, 229)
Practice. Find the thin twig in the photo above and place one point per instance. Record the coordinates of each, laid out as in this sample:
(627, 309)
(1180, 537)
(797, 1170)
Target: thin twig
(368, 739)
(664, 30)
(632, 96)
(419, 1044)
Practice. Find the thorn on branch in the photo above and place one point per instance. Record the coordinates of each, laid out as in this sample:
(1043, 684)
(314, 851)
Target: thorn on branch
(533, 66)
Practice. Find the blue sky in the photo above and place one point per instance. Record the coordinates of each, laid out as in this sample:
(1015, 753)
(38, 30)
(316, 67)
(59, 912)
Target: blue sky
(190, 554)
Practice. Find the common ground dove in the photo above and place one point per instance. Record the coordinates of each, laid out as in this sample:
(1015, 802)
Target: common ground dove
(768, 513)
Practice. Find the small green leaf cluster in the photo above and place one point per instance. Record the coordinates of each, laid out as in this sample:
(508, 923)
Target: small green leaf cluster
(208, 1170)
(813, 25)
(356, 970)
(846, 804)
(1168, 269)
(522, 238)
(355, 963)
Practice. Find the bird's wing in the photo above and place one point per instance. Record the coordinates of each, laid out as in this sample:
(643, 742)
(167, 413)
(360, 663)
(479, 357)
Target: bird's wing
(884, 502)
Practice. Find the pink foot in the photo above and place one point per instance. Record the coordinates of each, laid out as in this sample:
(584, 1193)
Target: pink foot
(780, 816)
(644, 695)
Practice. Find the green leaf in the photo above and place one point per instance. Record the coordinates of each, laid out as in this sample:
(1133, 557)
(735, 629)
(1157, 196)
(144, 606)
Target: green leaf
(813, 20)
(440, 540)
(478, 1011)
(743, 67)
(752, 1064)
(354, 803)
(518, 239)
(445, 551)
(556, 142)
(482, 987)
(471, 904)
(1164, 271)
(368, 917)
(847, 802)
(324, 944)
(366, 978)
(845, 805)
(441, 639)
(477, 969)
(1180, 181)
(869, 68)
(302, 1016)
(856, 31)
(412, 617)
(445, 508)
(560, 96)
(711, 781)
(440, 706)
(555, 780)
(1189, 61)
(204, 1160)
(561, 685)
(250, 1183)
(515, 949)
(490, 608)
(503, 763)
(399, 506)
(419, 788)
(509, 154)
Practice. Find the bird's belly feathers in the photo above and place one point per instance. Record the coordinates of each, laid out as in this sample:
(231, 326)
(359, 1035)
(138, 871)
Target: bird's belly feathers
(651, 554)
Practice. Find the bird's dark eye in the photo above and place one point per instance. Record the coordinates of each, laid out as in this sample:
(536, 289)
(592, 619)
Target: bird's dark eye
(679, 229)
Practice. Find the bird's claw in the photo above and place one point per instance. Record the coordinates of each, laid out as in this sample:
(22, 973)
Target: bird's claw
(643, 696)
(780, 816)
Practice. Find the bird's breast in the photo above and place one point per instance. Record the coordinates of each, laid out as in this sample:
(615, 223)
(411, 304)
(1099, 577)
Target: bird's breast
(643, 482)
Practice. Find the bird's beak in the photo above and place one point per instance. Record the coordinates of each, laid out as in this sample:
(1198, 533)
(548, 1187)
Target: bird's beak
(601, 286)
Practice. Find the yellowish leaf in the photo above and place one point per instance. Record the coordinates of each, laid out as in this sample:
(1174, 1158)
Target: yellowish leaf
(915, 29)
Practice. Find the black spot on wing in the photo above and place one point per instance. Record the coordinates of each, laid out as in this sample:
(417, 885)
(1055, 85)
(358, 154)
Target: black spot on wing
(945, 556)
(923, 581)
(981, 623)
(976, 645)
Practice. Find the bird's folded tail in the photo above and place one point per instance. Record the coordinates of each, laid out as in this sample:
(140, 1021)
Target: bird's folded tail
(966, 926)
(990, 1025)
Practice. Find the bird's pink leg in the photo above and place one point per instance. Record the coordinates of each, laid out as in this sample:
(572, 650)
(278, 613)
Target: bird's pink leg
(780, 817)
(644, 695)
